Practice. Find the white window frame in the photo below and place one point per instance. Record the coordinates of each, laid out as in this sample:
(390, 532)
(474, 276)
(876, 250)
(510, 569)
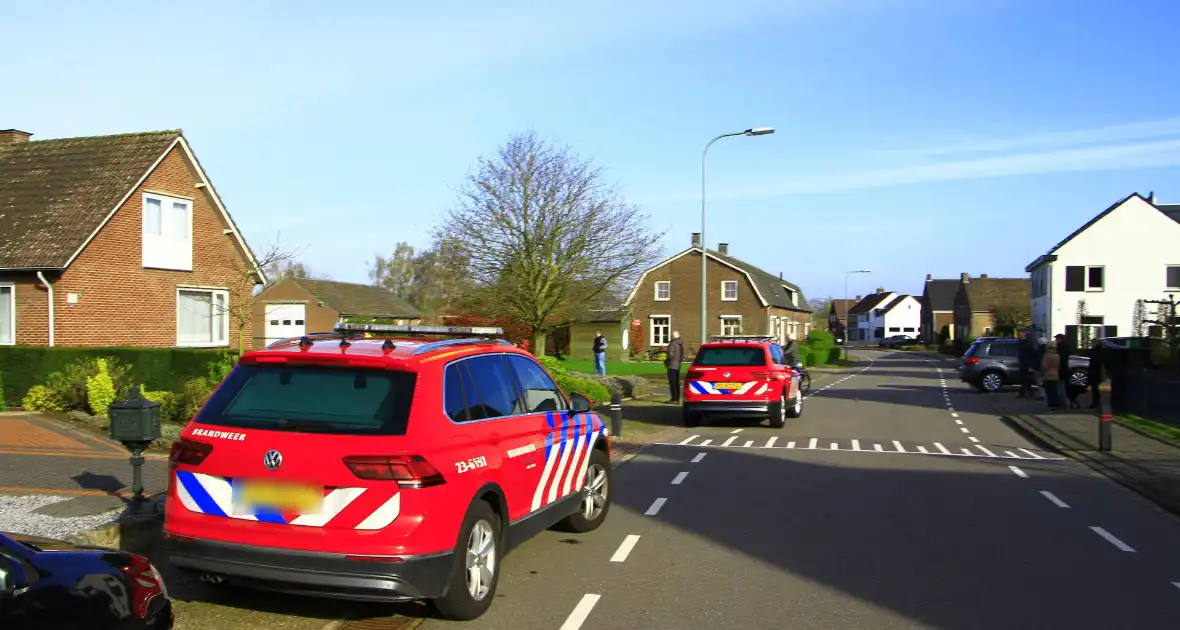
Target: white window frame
(667, 283)
(224, 293)
(1086, 284)
(725, 283)
(162, 251)
(722, 319)
(1167, 268)
(651, 325)
(11, 286)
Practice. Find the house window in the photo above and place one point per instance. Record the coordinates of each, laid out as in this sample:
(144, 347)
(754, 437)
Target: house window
(1080, 278)
(202, 318)
(1095, 278)
(661, 330)
(1173, 279)
(895, 329)
(907, 329)
(729, 290)
(167, 233)
(731, 324)
(663, 290)
(7, 314)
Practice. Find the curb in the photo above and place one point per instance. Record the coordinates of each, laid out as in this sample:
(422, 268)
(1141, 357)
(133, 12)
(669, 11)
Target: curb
(1106, 465)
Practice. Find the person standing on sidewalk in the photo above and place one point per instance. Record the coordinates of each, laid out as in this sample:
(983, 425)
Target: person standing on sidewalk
(1094, 373)
(1026, 362)
(1051, 377)
(672, 363)
(599, 354)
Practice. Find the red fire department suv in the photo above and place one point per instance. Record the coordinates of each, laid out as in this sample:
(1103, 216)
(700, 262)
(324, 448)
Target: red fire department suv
(741, 376)
(382, 469)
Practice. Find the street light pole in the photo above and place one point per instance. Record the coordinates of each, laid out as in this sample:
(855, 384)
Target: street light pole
(754, 131)
(848, 307)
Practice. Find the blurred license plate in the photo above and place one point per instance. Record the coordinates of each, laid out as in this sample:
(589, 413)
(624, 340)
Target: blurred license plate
(286, 497)
(728, 385)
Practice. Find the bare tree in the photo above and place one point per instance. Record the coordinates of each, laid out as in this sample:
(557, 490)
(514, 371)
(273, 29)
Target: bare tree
(395, 273)
(1138, 315)
(543, 237)
(1083, 327)
(290, 269)
(1167, 318)
(244, 293)
(1009, 319)
(431, 279)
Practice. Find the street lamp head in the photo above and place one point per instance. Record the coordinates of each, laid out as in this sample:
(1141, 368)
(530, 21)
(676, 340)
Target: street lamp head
(860, 271)
(760, 131)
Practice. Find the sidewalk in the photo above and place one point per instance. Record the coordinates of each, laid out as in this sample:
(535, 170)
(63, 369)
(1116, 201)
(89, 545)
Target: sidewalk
(1144, 464)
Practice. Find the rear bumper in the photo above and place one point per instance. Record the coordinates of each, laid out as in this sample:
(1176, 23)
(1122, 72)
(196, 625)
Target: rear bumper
(728, 407)
(316, 574)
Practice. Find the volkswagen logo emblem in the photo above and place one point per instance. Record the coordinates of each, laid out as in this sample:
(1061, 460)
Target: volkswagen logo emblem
(726, 375)
(272, 460)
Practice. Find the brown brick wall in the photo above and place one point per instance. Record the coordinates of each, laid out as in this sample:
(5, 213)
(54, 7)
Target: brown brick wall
(318, 318)
(122, 304)
(685, 304)
(32, 307)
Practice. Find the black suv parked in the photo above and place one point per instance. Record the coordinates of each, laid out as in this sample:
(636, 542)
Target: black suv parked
(992, 363)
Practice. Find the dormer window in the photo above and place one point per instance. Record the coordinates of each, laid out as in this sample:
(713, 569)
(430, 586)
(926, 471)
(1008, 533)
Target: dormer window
(167, 232)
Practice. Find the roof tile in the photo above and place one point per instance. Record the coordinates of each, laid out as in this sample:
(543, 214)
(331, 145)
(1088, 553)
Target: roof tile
(359, 300)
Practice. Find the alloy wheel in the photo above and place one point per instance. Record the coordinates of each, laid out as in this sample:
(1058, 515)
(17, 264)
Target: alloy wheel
(481, 559)
(782, 408)
(992, 382)
(596, 492)
(1078, 378)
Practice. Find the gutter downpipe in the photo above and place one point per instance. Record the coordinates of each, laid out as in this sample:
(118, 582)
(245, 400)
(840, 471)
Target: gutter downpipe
(49, 288)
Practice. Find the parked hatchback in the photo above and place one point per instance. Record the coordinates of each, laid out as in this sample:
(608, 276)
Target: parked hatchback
(991, 363)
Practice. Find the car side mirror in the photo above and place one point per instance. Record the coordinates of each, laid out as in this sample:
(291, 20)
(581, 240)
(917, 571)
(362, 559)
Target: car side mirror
(579, 403)
(13, 581)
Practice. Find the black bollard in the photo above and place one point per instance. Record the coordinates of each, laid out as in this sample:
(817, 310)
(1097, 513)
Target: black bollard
(616, 415)
(1105, 420)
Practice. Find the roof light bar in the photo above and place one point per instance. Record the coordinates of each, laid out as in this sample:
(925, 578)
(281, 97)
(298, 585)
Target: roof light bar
(394, 329)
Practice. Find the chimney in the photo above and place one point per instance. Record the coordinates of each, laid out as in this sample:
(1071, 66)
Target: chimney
(965, 277)
(780, 275)
(929, 277)
(723, 249)
(13, 136)
(858, 297)
(696, 239)
(880, 289)
(1151, 197)
(983, 276)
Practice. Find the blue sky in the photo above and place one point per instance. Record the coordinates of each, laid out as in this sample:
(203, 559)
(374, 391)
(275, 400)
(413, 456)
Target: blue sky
(914, 136)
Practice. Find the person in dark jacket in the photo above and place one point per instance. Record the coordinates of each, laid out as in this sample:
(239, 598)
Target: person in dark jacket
(1027, 363)
(1094, 374)
(672, 363)
(599, 354)
(790, 352)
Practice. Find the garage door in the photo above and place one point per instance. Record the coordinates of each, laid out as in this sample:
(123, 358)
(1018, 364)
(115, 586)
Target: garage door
(285, 320)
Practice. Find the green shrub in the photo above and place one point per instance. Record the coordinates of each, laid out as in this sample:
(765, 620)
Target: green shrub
(221, 368)
(41, 398)
(553, 364)
(167, 400)
(810, 357)
(100, 390)
(71, 382)
(596, 392)
(166, 369)
(194, 394)
(834, 354)
(819, 338)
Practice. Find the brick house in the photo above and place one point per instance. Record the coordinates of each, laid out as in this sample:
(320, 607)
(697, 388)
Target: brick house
(291, 307)
(838, 315)
(117, 241)
(979, 300)
(938, 309)
(742, 299)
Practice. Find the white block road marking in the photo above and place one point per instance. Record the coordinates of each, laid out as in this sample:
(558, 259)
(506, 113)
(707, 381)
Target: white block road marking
(705, 443)
(856, 445)
(625, 549)
(736, 431)
(954, 415)
(878, 448)
(951, 409)
(679, 478)
(749, 443)
(922, 449)
(655, 507)
(699, 457)
(771, 441)
(689, 439)
(1112, 540)
(1032, 454)
(986, 451)
(1019, 473)
(1052, 497)
(967, 452)
(941, 448)
(973, 439)
(790, 445)
(813, 443)
(729, 441)
(581, 612)
(1011, 454)
(835, 446)
(1176, 584)
(898, 446)
(959, 422)
(964, 429)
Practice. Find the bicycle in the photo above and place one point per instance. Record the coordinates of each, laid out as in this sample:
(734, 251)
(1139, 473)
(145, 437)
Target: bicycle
(804, 379)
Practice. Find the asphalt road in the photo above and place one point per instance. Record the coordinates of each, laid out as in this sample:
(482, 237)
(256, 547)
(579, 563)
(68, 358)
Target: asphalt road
(896, 501)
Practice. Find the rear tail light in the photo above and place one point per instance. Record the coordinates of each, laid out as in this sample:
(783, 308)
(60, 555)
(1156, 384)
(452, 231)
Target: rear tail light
(412, 471)
(760, 375)
(188, 452)
(146, 583)
(696, 375)
(972, 360)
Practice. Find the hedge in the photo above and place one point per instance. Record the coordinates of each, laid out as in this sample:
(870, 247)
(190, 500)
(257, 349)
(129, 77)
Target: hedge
(159, 369)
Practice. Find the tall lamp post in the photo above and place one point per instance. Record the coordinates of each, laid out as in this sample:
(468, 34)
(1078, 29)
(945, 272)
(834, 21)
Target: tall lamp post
(753, 131)
(847, 307)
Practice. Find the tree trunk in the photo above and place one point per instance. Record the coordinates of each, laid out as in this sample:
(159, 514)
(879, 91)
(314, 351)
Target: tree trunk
(539, 337)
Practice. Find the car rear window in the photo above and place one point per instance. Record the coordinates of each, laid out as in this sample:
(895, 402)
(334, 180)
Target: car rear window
(973, 350)
(738, 357)
(312, 399)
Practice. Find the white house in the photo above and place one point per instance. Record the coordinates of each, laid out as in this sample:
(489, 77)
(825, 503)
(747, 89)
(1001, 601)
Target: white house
(865, 318)
(901, 315)
(1129, 252)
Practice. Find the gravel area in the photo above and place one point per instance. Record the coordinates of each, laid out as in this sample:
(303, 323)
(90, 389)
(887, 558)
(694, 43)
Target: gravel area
(16, 515)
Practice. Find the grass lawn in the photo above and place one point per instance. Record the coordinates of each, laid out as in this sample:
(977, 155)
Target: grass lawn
(622, 368)
(1158, 429)
(647, 416)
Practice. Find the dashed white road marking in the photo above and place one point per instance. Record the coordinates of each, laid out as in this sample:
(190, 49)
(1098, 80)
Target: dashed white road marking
(771, 441)
(967, 451)
(729, 441)
(1019, 472)
(964, 429)
(625, 549)
(834, 447)
(951, 409)
(1034, 455)
(958, 422)
(986, 450)
(897, 445)
(973, 439)
(922, 449)
(1176, 584)
(813, 443)
(699, 457)
(679, 478)
(954, 415)
(942, 448)
(655, 506)
(736, 431)
(1052, 497)
(581, 612)
(1011, 454)
(749, 443)
(878, 448)
(706, 442)
(856, 445)
(1109, 537)
(689, 439)
(790, 445)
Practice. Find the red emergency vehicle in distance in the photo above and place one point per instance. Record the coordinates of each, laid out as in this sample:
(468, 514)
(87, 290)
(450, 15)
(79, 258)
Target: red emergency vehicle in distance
(384, 468)
(741, 376)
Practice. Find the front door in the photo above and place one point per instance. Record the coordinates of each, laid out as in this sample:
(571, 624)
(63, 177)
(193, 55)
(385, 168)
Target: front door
(285, 320)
